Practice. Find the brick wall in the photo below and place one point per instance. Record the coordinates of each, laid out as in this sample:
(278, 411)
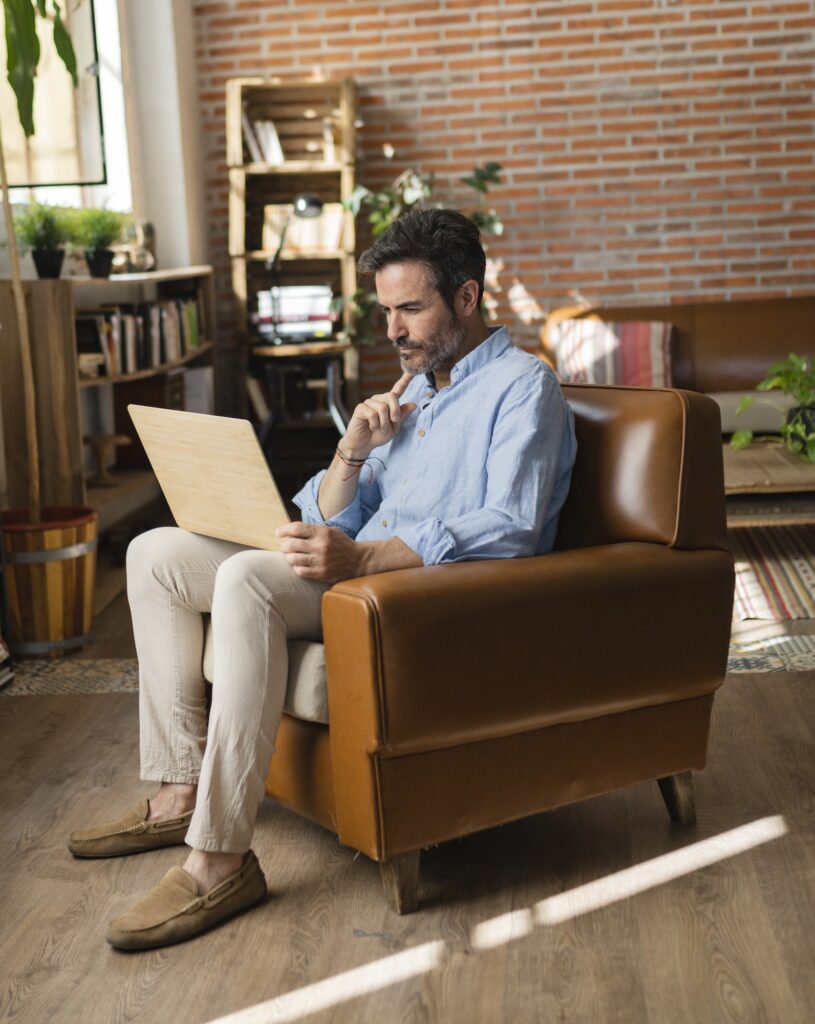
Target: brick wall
(653, 149)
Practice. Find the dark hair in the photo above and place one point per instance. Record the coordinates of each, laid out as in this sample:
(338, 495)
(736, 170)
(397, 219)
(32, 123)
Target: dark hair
(445, 241)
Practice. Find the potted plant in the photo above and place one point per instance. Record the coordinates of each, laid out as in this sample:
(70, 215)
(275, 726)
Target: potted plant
(96, 231)
(44, 230)
(50, 553)
(795, 377)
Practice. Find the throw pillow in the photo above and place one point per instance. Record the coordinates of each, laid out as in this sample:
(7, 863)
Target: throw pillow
(635, 352)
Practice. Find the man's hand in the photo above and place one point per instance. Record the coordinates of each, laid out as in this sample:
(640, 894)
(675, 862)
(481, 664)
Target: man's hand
(376, 420)
(327, 554)
(321, 552)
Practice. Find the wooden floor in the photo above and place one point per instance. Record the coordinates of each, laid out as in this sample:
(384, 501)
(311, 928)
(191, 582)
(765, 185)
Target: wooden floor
(730, 941)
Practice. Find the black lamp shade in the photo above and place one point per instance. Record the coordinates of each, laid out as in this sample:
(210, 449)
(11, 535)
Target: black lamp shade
(308, 205)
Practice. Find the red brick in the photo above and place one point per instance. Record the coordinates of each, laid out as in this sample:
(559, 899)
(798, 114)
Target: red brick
(605, 144)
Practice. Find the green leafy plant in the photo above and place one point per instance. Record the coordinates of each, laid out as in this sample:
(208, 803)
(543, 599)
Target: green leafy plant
(412, 188)
(23, 49)
(40, 226)
(97, 229)
(793, 376)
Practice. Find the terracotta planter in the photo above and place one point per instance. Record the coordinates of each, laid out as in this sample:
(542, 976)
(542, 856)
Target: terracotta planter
(48, 261)
(50, 573)
(100, 262)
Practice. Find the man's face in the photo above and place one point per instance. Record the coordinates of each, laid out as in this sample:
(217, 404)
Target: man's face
(423, 330)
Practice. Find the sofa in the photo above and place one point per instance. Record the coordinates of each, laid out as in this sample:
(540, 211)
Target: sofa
(454, 698)
(722, 349)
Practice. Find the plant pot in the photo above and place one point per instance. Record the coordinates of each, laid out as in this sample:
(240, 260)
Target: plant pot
(50, 570)
(807, 416)
(48, 261)
(100, 262)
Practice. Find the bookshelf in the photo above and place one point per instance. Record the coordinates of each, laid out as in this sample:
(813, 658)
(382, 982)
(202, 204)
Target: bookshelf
(66, 402)
(314, 155)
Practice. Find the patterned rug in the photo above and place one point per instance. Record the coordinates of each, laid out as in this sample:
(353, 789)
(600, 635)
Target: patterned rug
(73, 675)
(774, 654)
(775, 572)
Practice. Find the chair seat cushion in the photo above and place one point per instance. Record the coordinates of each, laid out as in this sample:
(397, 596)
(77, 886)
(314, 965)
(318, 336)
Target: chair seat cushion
(306, 694)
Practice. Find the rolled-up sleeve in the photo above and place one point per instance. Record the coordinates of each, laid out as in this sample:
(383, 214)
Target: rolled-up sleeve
(524, 463)
(352, 518)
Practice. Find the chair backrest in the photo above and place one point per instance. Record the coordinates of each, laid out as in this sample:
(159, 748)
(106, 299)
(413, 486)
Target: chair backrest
(648, 468)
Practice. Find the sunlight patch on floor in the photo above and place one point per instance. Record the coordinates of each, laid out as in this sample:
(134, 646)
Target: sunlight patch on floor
(622, 885)
(340, 988)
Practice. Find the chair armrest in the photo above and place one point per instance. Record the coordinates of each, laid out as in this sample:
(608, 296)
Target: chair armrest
(456, 653)
(427, 658)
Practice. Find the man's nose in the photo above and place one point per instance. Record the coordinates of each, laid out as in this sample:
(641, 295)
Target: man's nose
(396, 327)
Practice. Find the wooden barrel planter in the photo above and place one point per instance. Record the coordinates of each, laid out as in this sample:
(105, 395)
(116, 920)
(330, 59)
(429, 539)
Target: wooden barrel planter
(50, 571)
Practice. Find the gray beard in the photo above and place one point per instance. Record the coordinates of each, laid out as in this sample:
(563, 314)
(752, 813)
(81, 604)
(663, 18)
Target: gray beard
(448, 346)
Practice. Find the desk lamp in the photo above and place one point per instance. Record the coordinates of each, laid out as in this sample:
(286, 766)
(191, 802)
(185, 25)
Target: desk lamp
(305, 205)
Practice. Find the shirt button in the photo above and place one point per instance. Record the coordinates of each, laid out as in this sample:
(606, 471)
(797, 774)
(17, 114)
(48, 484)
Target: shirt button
(428, 394)
(420, 433)
(384, 522)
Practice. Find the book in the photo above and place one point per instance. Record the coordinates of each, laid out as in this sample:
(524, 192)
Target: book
(92, 338)
(249, 137)
(269, 142)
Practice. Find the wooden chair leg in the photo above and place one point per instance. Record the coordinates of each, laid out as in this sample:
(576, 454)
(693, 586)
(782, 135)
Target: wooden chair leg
(677, 792)
(400, 876)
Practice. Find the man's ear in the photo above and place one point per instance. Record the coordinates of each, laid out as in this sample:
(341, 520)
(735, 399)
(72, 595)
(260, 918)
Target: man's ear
(467, 298)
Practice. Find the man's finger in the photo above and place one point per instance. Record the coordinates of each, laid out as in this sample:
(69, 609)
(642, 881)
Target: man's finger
(399, 387)
(295, 529)
(296, 558)
(297, 544)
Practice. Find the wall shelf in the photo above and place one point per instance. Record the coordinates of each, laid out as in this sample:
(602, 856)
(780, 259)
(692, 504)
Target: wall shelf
(94, 382)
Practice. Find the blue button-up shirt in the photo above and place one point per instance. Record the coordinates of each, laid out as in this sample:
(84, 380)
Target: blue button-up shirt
(480, 469)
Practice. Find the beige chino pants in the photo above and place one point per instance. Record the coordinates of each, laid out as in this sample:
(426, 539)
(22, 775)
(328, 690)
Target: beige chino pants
(256, 602)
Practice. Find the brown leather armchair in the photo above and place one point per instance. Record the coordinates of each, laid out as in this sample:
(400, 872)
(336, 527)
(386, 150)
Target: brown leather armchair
(464, 696)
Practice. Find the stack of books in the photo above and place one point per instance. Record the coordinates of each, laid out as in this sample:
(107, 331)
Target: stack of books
(296, 313)
(262, 141)
(115, 340)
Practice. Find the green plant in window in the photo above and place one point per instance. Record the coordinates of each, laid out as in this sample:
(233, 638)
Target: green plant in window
(23, 50)
(40, 226)
(795, 377)
(98, 229)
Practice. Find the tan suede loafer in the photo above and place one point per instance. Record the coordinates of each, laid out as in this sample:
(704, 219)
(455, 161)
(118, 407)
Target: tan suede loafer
(175, 911)
(132, 833)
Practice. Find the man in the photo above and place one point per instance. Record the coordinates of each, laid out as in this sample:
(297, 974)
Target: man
(468, 456)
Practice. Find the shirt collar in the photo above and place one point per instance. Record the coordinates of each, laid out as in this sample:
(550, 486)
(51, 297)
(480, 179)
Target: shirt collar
(496, 342)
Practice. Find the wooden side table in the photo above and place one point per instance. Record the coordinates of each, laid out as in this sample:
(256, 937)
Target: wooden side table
(768, 485)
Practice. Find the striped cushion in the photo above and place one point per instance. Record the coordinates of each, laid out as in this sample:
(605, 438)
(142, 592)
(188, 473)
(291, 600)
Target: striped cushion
(636, 352)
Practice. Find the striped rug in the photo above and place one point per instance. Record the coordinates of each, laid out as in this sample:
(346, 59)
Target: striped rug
(775, 572)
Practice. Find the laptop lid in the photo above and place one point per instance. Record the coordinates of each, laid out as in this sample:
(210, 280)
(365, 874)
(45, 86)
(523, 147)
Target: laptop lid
(213, 474)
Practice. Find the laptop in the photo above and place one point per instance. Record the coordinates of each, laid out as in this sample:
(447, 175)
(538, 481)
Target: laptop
(214, 475)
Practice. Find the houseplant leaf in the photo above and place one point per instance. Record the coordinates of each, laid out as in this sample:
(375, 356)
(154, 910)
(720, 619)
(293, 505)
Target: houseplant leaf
(23, 55)
(741, 439)
(64, 46)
